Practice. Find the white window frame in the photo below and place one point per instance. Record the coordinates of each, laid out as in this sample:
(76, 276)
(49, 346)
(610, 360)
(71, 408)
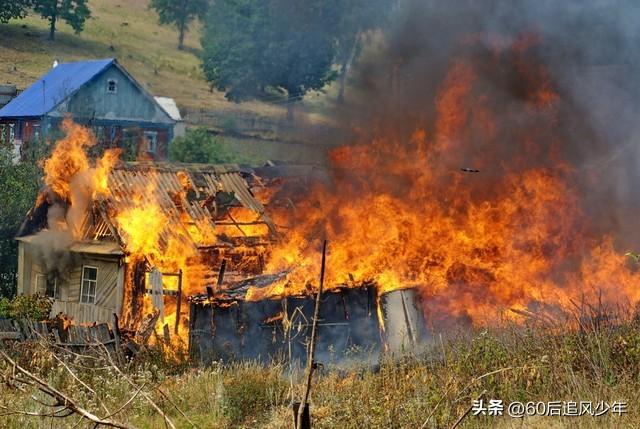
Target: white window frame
(85, 296)
(41, 284)
(151, 138)
(115, 86)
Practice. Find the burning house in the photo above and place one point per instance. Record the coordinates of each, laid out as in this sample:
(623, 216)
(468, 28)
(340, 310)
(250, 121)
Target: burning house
(101, 237)
(107, 237)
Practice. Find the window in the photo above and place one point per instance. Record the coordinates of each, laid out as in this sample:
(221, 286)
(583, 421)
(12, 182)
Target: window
(152, 141)
(46, 286)
(41, 284)
(112, 86)
(12, 133)
(18, 130)
(89, 283)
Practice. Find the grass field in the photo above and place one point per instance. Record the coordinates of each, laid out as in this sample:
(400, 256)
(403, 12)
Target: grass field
(125, 29)
(129, 31)
(511, 363)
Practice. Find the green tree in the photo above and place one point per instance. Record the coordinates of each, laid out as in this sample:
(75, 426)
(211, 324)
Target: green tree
(251, 46)
(356, 18)
(10, 9)
(19, 184)
(73, 12)
(181, 13)
(198, 145)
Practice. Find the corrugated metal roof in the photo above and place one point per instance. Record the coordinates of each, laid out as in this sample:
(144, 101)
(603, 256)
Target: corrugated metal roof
(169, 105)
(54, 87)
(182, 202)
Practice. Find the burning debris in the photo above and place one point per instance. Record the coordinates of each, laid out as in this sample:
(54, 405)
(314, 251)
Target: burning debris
(355, 324)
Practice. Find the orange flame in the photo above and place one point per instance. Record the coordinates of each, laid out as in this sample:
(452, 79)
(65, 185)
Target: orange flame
(401, 213)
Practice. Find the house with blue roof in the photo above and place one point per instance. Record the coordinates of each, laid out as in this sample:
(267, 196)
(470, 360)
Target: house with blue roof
(99, 94)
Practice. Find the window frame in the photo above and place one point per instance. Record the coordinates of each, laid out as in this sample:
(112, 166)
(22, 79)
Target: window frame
(151, 137)
(40, 290)
(90, 298)
(115, 86)
(43, 279)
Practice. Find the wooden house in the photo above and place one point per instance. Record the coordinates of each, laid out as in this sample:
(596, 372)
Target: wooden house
(99, 94)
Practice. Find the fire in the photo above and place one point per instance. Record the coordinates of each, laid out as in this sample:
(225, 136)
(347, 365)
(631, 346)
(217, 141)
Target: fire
(508, 233)
(70, 176)
(148, 235)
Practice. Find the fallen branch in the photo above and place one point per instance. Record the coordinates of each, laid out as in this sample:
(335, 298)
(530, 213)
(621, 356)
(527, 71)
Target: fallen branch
(166, 418)
(468, 410)
(61, 399)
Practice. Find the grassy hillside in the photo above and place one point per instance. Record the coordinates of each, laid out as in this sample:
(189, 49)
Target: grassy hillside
(125, 29)
(129, 31)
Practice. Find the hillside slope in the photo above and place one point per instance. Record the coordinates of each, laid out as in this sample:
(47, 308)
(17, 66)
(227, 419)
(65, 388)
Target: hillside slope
(129, 31)
(125, 29)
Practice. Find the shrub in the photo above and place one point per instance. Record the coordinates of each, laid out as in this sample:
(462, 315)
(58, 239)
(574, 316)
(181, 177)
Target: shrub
(197, 145)
(4, 308)
(32, 307)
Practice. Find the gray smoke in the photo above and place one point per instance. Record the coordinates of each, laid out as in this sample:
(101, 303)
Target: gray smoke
(589, 50)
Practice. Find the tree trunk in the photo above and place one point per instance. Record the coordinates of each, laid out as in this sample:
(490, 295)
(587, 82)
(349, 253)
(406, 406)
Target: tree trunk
(181, 37)
(182, 25)
(52, 27)
(344, 69)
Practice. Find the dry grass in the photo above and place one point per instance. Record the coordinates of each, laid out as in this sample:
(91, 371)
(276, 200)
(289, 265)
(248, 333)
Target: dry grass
(510, 363)
(129, 31)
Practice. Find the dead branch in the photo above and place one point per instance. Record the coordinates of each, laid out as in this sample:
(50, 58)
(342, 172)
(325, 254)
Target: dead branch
(61, 399)
(176, 407)
(127, 403)
(467, 411)
(166, 418)
(85, 385)
(312, 345)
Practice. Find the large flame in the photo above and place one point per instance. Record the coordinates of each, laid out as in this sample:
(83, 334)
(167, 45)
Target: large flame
(417, 212)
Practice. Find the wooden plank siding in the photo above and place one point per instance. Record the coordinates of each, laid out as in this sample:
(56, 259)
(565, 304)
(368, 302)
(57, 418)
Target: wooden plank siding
(82, 313)
(106, 301)
(108, 290)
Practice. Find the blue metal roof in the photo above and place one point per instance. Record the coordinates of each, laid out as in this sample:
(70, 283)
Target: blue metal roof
(51, 89)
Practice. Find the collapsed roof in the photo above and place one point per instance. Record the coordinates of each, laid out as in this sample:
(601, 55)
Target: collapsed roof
(196, 198)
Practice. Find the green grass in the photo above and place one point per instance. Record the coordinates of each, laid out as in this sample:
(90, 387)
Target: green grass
(512, 363)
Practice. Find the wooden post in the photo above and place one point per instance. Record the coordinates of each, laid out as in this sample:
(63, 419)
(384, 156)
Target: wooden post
(312, 345)
(179, 304)
(223, 268)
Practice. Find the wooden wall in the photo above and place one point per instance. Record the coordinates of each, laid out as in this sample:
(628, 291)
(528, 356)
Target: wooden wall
(108, 289)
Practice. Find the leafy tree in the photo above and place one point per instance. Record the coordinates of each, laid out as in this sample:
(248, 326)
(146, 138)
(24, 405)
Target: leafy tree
(251, 46)
(197, 145)
(10, 9)
(355, 19)
(73, 12)
(19, 184)
(181, 13)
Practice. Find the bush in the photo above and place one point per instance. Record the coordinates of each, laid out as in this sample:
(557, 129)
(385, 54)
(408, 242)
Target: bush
(32, 307)
(4, 308)
(197, 145)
